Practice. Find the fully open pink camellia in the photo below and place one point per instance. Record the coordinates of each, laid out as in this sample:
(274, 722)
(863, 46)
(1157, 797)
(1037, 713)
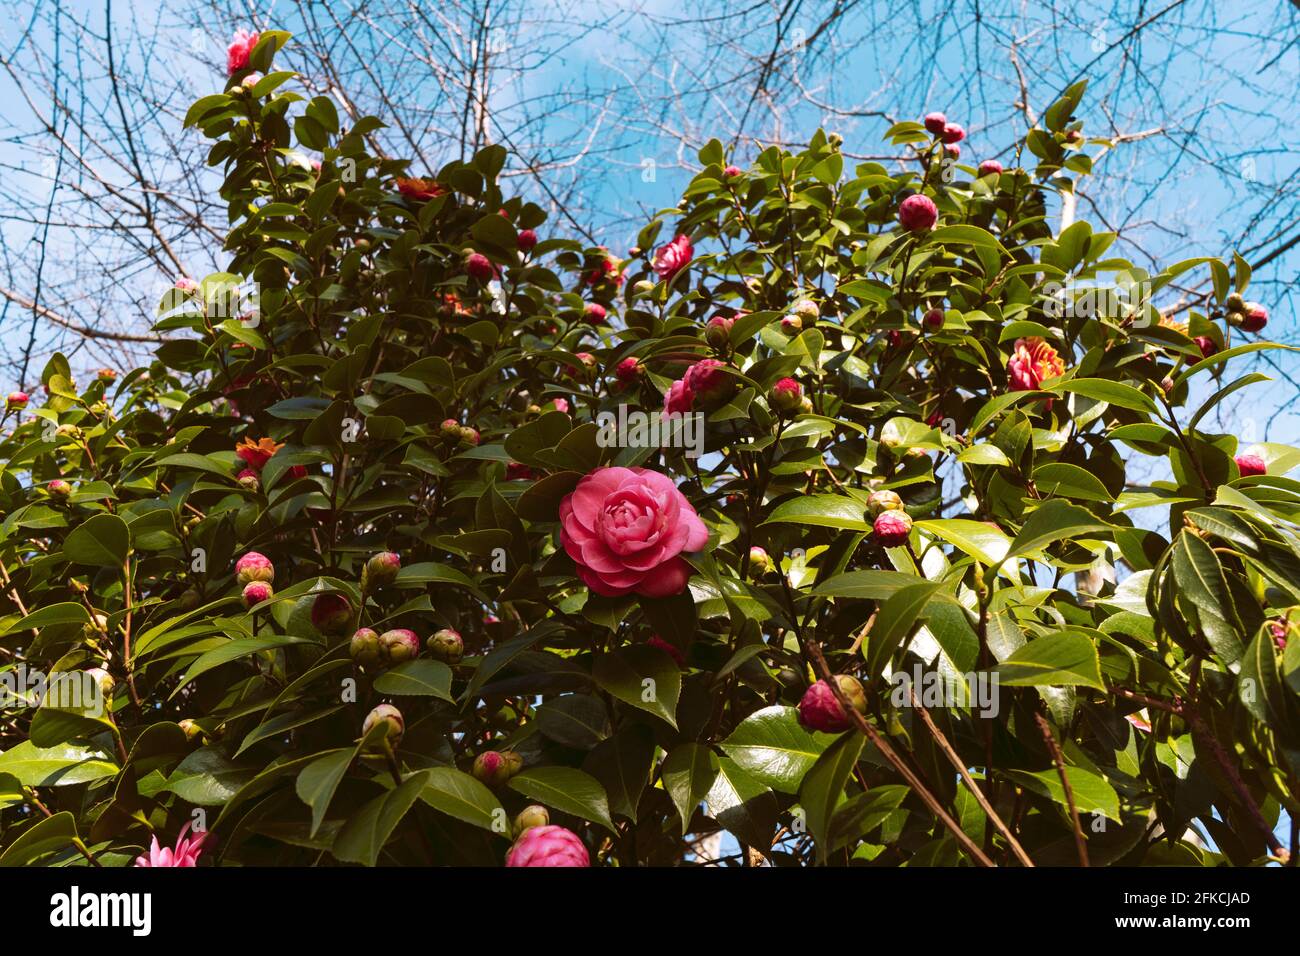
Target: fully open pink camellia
(241, 46)
(704, 383)
(626, 528)
(548, 846)
(1032, 363)
(672, 258)
(185, 853)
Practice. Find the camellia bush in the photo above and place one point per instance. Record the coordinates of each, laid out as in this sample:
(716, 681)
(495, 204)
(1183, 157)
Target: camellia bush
(855, 514)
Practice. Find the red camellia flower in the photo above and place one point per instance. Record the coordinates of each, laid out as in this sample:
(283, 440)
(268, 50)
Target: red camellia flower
(257, 453)
(820, 710)
(241, 46)
(625, 529)
(1251, 465)
(892, 528)
(672, 258)
(990, 167)
(17, 400)
(917, 213)
(594, 313)
(526, 240)
(933, 318)
(419, 189)
(786, 395)
(518, 471)
(1032, 362)
(935, 122)
(731, 172)
(254, 566)
(1206, 345)
(952, 133)
(548, 846)
(331, 613)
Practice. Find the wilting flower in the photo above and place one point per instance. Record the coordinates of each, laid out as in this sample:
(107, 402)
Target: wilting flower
(241, 47)
(257, 453)
(1032, 362)
(185, 853)
(672, 258)
(626, 528)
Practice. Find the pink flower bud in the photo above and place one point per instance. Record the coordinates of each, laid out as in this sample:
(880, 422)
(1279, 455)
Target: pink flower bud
(629, 371)
(255, 592)
(820, 710)
(952, 133)
(469, 436)
(186, 284)
(249, 479)
(990, 167)
(331, 613)
(759, 562)
(382, 568)
(718, 330)
(933, 319)
(450, 430)
(526, 240)
(364, 648)
(447, 646)
(492, 768)
(786, 396)
(479, 266)
(391, 719)
(594, 313)
(1206, 345)
(953, 150)
(548, 846)
(935, 122)
(16, 401)
(254, 567)
(399, 645)
(918, 213)
(892, 528)
(1255, 317)
(882, 501)
(58, 488)
(1251, 465)
(731, 172)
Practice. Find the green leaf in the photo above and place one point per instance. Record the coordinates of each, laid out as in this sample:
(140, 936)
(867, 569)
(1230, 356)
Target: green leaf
(1069, 481)
(1105, 390)
(1259, 684)
(1062, 658)
(317, 782)
(45, 836)
(622, 764)
(418, 678)
(101, 541)
(742, 804)
(60, 766)
(823, 788)
(985, 544)
(68, 612)
(1055, 520)
(459, 795)
(568, 790)
(688, 773)
(1092, 794)
(773, 747)
(364, 834)
(642, 676)
(894, 621)
(234, 650)
(822, 511)
(208, 777)
(574, 720)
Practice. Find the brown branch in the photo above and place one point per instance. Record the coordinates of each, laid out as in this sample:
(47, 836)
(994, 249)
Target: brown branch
(1080, 844)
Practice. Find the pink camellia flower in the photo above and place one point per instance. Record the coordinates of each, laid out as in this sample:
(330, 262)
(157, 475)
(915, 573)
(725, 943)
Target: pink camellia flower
(256, 592)
(626, 528)
(561, 405)
(185, 284)
(419, 188)
(1278, 630)
(17, 400)
(479, 266)
(241, 47)
(990, 167)
(1256, 317)
(670, 649)
(1251, 465)
(672, 258)
(1032, 362)
(628, 371)
(892, 528)
(548, 846)
(917, 213)
(594, 313)
(254, 566)
(731, 172)
(952, 133)
(185, 853)
(587, 359)
(933, 319)
(1206, 345)
(526, 240)
(820, 710)
(935, 122)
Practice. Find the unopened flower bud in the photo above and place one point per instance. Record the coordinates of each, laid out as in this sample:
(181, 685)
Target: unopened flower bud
(191, 729)
(533, 815)
(256, 592)
(331, 613)
(881, 501)
(364, 648)
(786, 396)
(103, 680)
(391, 719)
(382, 569)
(254, 566)
(399, 645)
(447, 646)
(759, 561)
(58, 488)
(491, 768)
(892, 528)
(16, 401)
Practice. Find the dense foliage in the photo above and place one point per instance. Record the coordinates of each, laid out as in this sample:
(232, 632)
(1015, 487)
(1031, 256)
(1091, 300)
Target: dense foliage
(921, 429)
